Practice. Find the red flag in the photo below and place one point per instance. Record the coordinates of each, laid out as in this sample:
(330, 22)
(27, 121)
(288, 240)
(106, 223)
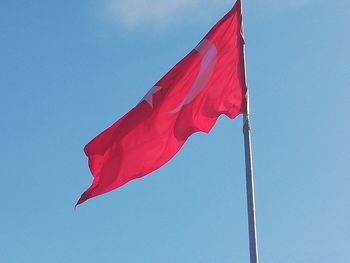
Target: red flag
(208, 82)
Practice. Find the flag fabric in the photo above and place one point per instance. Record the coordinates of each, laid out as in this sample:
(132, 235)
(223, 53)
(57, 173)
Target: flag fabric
(208, 82)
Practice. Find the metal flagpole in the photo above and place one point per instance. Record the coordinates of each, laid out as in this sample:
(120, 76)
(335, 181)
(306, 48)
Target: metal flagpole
(253, 245)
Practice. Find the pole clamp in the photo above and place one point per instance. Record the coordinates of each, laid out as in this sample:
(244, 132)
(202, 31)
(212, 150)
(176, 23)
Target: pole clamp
(246, 123)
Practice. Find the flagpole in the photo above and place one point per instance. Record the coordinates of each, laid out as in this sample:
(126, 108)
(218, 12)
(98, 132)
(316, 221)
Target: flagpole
(253, 244)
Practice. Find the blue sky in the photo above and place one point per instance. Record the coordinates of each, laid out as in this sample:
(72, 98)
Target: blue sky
(68, 69)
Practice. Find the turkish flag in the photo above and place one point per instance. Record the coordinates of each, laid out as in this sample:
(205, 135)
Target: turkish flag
(208, 82)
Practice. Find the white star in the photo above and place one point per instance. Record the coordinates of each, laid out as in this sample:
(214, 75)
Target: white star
(149, 96)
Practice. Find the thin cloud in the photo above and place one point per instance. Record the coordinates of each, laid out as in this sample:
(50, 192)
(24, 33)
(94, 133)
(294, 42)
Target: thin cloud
(133, 13)
(137, 13)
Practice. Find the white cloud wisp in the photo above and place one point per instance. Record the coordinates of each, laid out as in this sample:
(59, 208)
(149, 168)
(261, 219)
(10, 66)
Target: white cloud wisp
(136, 13)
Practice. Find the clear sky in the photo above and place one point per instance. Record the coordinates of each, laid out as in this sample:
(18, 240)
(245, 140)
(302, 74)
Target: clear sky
(69, 69)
